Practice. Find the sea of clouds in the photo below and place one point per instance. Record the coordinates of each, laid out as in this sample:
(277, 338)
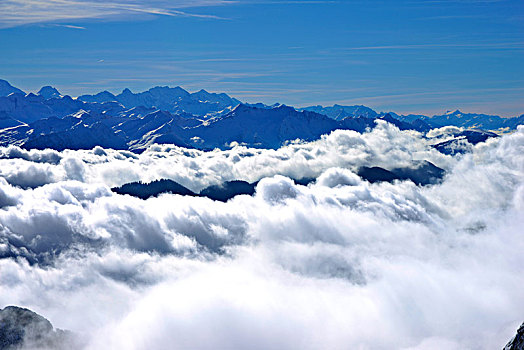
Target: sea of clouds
(338, 264)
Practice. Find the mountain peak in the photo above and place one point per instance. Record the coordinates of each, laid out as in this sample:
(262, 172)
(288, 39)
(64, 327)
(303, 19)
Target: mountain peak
(283, 107)
(48, 92)
(166, 88)
(455, 112)
(7, 89)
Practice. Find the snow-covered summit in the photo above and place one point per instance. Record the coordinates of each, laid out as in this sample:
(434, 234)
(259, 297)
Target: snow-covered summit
(171, 99)
(201, 119)
(339, 112)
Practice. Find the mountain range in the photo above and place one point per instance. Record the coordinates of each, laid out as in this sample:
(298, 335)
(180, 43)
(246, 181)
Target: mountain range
(201, 120)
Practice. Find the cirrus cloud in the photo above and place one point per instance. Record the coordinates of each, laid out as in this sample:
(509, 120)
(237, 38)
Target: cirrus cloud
(19, 12)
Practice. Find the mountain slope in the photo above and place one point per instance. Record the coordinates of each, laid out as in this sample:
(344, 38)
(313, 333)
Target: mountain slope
(136, 121)
(23, 328)
(6, 89)
(268, 128)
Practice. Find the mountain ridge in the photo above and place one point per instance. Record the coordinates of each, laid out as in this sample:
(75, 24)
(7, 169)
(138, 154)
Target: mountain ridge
(204, 120)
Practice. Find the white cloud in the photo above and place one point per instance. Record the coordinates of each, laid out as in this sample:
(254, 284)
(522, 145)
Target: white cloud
(340, 263)
(384, 146)
(19, 12)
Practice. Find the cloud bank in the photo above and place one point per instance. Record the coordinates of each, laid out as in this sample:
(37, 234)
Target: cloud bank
(340, 263)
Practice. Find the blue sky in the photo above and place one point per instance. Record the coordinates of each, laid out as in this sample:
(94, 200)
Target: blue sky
(406, 56)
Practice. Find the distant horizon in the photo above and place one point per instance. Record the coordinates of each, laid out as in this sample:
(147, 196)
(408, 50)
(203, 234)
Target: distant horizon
(420, 57)
(378, 110)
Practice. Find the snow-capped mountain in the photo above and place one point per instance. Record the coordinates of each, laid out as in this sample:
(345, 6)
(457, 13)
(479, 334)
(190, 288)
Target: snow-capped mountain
(200, 120)
(174, 100)
(474, 120)
(267, 128)
(339, 112)
(423, 122)
(31, 107)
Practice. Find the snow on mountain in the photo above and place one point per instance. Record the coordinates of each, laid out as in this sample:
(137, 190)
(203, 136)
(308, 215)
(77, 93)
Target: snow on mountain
(31, 107)
(474, 121)
(410, 118)
(268, 128)
(201, 120)
(246, 125)
(222, 99)
(109, 124)
(79, 136)
(339, 112)
(421, 122)
(417, 124)
(7, 122)
(262, 105)
(156, 127)
(460, 141)
(174, 100)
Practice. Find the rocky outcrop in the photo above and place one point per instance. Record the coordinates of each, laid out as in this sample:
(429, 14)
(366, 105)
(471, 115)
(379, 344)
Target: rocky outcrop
(23, 328)
(517, 343)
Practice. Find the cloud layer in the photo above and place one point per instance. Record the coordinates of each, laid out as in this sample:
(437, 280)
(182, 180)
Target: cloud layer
(340, 263)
